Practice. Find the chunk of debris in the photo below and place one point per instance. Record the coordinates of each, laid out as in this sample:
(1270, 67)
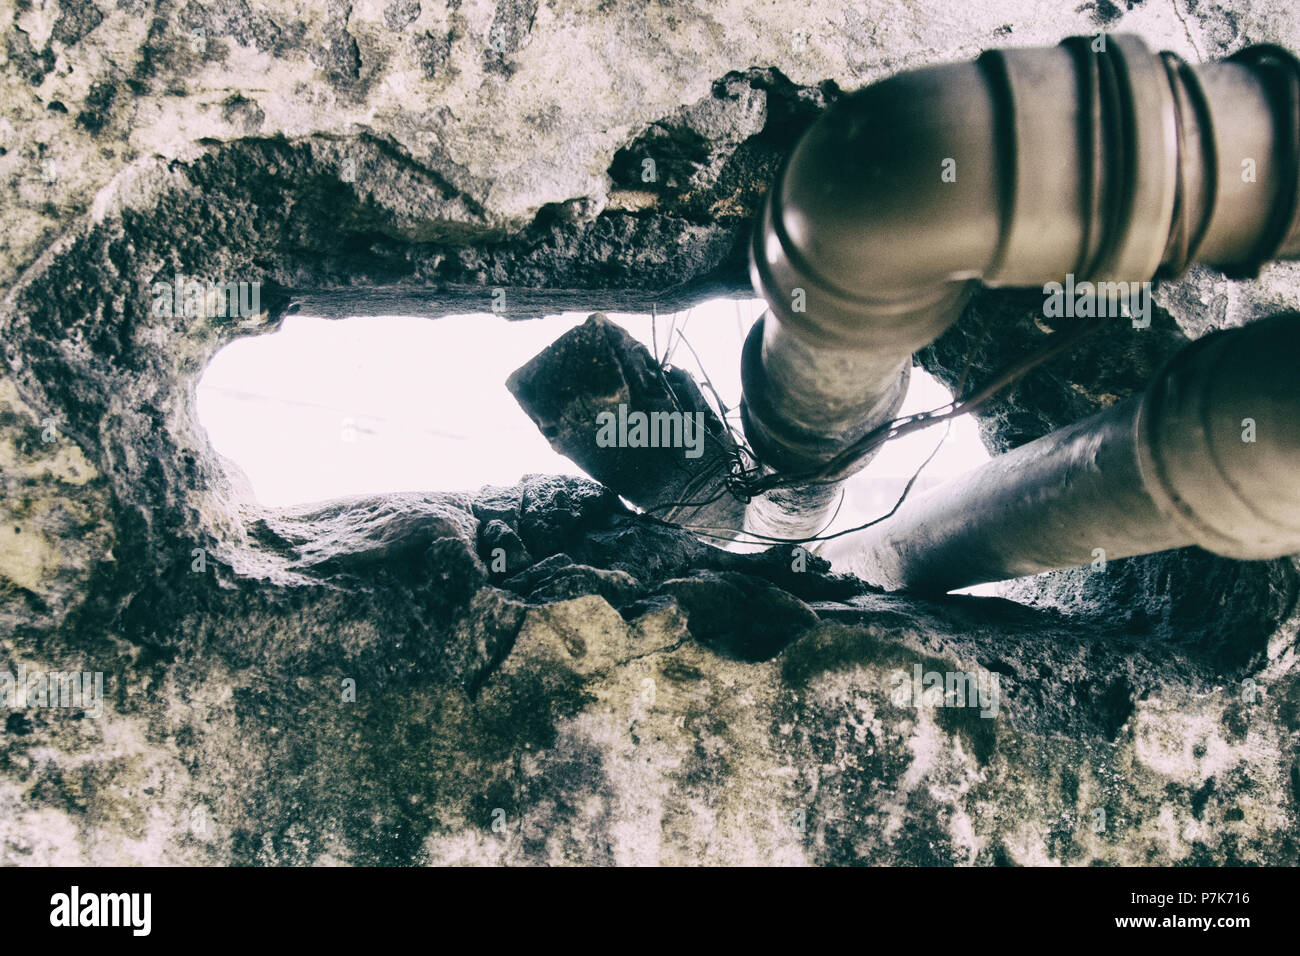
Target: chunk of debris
(643, 430)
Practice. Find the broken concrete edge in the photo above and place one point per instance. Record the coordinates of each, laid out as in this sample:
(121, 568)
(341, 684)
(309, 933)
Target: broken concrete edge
(570, 681)
(232, 714)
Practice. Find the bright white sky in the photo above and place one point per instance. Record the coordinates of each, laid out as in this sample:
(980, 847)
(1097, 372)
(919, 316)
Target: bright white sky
(326, 408)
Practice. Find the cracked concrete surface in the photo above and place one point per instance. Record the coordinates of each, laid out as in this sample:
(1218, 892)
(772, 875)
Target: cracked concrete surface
(352, 682)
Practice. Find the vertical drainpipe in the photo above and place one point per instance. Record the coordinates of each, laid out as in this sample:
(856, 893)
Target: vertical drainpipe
(1099, 159)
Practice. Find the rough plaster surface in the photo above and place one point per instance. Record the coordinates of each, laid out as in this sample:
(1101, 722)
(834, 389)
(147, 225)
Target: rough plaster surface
(621, 693)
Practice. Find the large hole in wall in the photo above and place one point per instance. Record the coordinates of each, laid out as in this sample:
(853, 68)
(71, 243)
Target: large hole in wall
(325, 408)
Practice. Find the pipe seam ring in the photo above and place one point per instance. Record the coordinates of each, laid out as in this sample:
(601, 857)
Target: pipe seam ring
(1279, 70)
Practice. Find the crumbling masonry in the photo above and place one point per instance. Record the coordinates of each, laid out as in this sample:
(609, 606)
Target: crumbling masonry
(352, 682)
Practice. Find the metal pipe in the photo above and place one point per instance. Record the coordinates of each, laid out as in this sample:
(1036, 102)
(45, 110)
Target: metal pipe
(1208, 455)
(1095, 158)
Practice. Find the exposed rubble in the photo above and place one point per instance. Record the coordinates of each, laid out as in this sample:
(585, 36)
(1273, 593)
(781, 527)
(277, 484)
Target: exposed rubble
(364, 681)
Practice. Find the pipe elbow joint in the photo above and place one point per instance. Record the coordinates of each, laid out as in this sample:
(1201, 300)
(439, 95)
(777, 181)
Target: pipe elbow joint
(879, 218)
(1106, 161)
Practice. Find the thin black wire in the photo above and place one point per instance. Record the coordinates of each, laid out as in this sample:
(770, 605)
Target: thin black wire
(747, 481)
(907, 490)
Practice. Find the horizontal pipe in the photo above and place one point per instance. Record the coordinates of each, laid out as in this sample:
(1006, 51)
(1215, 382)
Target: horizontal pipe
(1208, 455)
(1101, 160)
